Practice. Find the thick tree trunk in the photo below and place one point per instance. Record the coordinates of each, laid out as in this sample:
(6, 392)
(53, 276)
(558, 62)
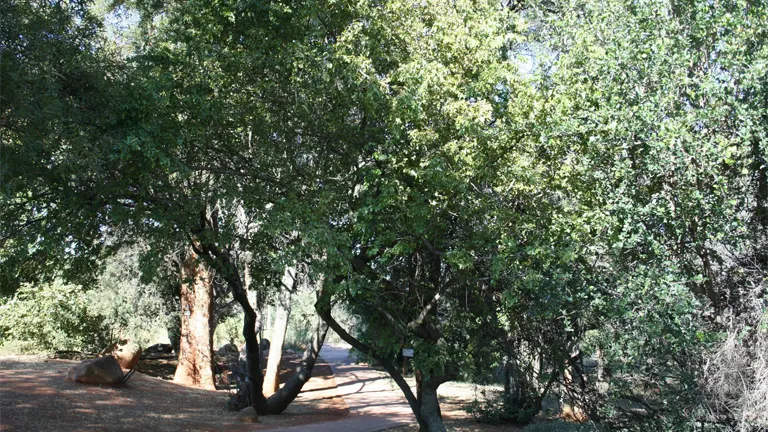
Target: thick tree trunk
(429, 407)
(195, 367)
(279, 401)
(282, 313)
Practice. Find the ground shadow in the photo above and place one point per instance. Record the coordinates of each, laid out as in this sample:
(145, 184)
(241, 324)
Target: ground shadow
(35, 396)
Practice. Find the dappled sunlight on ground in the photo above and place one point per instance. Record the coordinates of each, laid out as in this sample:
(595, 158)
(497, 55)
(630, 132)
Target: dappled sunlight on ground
(35, 396)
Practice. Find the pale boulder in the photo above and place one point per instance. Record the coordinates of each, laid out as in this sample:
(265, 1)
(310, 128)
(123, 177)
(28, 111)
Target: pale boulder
(126, 352)
(103, 370)
(248, 415)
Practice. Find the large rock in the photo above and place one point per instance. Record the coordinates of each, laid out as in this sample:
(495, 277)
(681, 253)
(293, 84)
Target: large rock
(126, 352)
(228, 350)
(160, 348)
(102, 370)
(128, 356)
(248, 415)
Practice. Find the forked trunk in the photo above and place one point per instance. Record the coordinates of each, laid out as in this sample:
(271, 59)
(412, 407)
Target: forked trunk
(195, 367)
(278, 402)
(251, 317)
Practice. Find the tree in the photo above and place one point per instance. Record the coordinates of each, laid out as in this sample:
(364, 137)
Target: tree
(606, 197)
(132, 307)
(58, 90)
(660, 103)
(282, 313)
(50, 317)
(195, 353)
(417, 239)
(172, 173)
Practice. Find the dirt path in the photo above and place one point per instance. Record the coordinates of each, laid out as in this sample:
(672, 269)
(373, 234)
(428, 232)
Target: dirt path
(373, 403)
(35, 396)
(376, 403)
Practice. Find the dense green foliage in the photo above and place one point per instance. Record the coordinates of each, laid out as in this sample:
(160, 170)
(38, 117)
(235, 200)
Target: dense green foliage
(59, 316)
(661, 106)
(52, 317)
(131, 309)
(58, 88)
(575, 193)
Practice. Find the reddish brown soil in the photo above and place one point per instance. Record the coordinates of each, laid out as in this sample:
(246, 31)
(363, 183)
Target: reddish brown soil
(35, 396)
(465, 425)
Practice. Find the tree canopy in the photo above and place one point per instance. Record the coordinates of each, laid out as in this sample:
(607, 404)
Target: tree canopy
(531, 186)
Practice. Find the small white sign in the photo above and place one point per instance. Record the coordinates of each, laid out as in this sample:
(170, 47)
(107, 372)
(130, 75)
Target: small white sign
(407, 352)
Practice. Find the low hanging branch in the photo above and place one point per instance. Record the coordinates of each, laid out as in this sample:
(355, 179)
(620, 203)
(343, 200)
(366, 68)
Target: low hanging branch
(279, 401)
(323, 308)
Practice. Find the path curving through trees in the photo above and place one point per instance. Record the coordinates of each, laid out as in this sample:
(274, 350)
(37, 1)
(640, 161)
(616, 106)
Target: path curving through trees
(374, 402)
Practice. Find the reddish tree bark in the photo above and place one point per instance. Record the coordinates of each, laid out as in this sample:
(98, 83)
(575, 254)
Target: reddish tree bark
(195, 367)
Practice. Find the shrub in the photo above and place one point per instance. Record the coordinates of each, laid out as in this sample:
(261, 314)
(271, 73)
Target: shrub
(495, 411)
(229, 330)
(560, 426)
(130, 308)
(52, 317)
